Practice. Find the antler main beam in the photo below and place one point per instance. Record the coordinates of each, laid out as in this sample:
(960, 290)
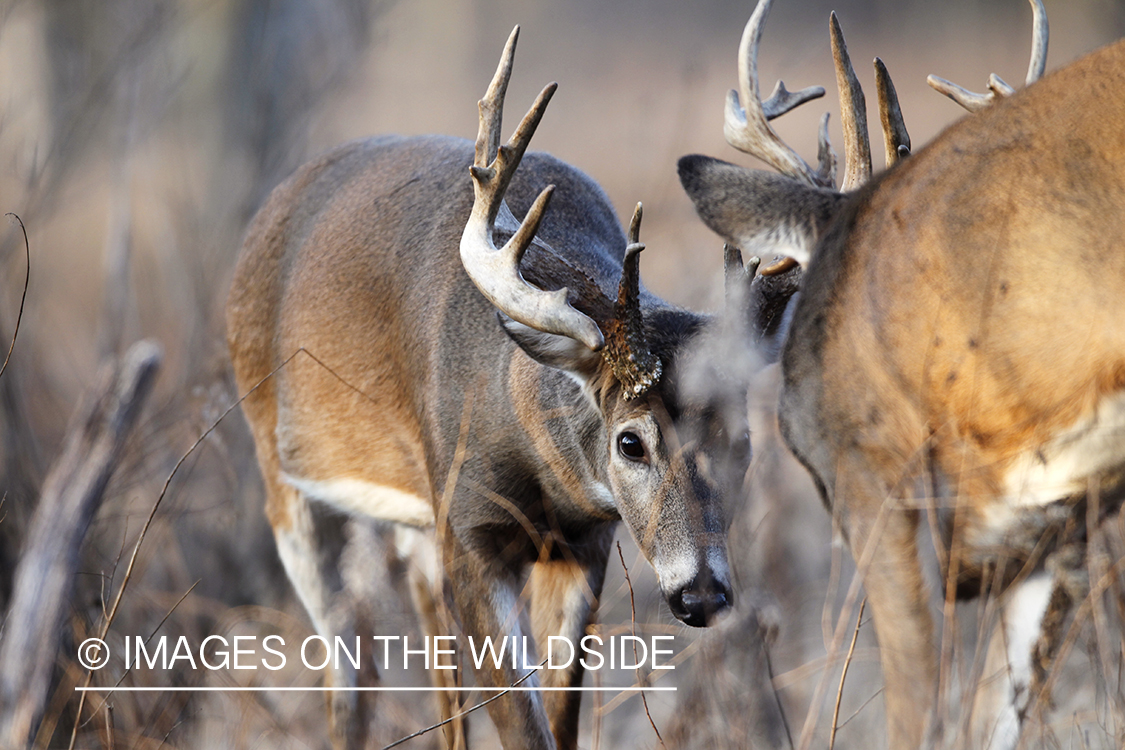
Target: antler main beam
(746, 123)
(997, 88)
(853, 112)
(496, 271)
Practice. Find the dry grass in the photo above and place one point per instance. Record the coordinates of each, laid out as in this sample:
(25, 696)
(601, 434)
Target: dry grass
(135, 195)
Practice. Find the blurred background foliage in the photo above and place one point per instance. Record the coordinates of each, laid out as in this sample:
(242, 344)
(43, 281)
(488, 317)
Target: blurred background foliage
(137, 137)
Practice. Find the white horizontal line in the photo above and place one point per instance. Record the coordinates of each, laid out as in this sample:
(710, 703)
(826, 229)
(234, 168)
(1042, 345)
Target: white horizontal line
(517, 689)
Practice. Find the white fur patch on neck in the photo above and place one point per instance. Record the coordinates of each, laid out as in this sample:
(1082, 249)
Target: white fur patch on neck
(782, 239)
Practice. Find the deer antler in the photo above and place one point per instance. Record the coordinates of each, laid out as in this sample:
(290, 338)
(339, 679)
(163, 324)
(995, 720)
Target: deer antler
(496, 271)
(853, 112)
(895, 137)
(997, 88)
(746, 123)
(627, 350)
(747, 129)
(757, 301)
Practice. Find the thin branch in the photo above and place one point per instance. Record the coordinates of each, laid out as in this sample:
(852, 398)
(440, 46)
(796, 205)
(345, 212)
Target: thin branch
(844, 675)
(633, 617)
(164, 491)
(23, 299)
(862, 564)
(71, 496)
(148, 640)
(596, 732)
(466, 712)
(777, 695)
(862, 706)
(168, 734)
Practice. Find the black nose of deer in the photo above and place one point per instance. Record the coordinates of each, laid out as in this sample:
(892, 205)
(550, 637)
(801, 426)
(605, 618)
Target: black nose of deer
(699, 602)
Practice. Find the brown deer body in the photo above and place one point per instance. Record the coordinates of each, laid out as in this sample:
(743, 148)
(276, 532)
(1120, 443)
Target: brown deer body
(522, 443)
(957, 356)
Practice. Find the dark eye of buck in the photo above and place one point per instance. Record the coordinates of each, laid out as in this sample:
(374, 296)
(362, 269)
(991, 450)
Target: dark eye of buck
(630, 446)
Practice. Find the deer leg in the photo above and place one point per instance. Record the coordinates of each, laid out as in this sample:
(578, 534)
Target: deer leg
(1005, 691)
(899, 603)
(416, 547)
(486, 592)
(317, 582)
(564, 597)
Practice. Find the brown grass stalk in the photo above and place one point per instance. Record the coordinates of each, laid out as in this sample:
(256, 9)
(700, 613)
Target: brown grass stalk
(844, 675)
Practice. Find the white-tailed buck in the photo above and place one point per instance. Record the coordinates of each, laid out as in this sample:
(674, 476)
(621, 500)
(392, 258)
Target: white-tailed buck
(956, 356)
(522, 436)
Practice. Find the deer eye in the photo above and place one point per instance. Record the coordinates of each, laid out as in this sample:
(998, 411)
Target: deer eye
(630, 446)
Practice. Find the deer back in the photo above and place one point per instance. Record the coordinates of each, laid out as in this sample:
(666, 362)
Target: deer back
(978, 282)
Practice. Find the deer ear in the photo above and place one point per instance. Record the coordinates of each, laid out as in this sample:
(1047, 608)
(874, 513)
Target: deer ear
(761, 212)
(550, 349)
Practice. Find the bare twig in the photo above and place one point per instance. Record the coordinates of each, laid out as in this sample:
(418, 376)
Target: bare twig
(844, 675)
(862, 706)
(148, 640)
(109, 726)
(633, 617)
(164, 491)
(777, 694)
(444, 619)
(833, 590)
(168, 734)
(23, 299)
(862, 564)
(71, 495)
(466, 712)
(596, 732)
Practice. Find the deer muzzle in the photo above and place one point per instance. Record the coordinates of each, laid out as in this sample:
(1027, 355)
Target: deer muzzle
(700, 601)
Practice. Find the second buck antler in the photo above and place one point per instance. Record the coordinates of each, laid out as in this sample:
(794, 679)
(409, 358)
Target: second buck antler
(957, 356)
(521, 442)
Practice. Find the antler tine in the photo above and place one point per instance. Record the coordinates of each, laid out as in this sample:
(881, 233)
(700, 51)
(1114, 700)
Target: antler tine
(782, 99)
(736, 276)
(895, 137)
(756, 302)
(997, 88)
(825, 155)
(967, 99)
(494, 164)
(1039, 34)
(495, 271)
(627, 350)
(492, 105)
(853, 112)
(736, 288)
(635, 225)
(746, 123)
(780, 267)
(769, 295)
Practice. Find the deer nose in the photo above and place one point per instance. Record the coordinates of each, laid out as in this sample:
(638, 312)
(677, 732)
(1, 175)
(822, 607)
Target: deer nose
(699, 602)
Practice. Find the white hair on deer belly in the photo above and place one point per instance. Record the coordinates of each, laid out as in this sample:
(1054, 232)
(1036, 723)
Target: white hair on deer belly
(359, 497)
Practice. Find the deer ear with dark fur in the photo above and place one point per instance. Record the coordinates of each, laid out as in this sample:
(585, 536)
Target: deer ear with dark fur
(763, 213)
(561, 352)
